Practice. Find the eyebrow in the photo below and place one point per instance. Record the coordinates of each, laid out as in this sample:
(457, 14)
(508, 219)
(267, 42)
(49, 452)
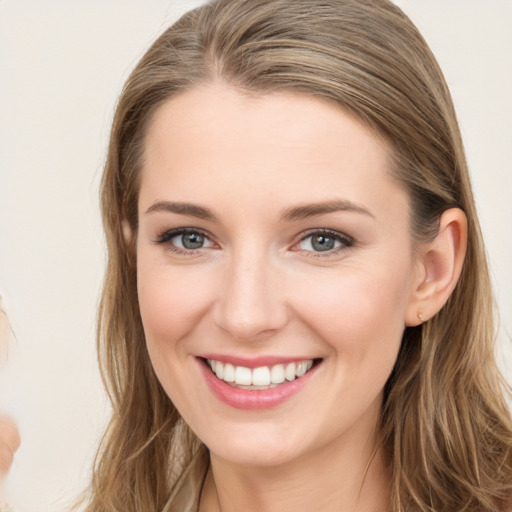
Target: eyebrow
(190, 209)
(311, 210)
(295, 213)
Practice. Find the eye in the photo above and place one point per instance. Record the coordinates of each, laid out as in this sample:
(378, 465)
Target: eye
(185, 239)
(324, 241)
(189, 241)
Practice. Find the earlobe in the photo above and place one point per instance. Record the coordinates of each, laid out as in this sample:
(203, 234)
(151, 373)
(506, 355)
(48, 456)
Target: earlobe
(440, 266)
(129, 241)
(127, 232)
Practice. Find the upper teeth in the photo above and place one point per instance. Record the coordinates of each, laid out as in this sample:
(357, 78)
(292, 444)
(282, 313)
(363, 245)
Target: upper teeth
(261, 376)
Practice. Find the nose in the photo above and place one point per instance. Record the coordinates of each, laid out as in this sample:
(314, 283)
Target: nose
(251, 303)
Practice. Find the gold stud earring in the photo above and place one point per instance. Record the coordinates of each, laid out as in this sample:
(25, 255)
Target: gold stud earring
(420, 316)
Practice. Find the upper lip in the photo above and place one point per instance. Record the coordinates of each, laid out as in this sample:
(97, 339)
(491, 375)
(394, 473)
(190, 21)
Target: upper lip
(255, 362)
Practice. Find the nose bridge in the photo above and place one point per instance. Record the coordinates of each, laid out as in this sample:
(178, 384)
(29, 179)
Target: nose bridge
(250, 301)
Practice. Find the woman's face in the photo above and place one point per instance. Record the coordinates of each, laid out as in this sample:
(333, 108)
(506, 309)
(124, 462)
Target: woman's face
(271, 234)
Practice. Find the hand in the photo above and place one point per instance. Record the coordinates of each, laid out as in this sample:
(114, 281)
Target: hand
(9, 443)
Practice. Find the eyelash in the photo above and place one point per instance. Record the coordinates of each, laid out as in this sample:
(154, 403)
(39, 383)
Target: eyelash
(165, 238)
(346, 242)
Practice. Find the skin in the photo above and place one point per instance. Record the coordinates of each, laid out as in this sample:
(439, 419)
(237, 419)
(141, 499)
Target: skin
(258, 288)
(9, 435)
(9, 443)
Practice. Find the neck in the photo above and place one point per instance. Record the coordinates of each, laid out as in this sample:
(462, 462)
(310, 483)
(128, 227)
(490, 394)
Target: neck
(332, 479)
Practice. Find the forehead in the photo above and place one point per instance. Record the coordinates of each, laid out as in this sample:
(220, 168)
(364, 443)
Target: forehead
(263, 115)
(287, 145)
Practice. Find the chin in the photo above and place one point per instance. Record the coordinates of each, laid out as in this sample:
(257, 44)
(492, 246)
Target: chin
(257, 449)
(256, 456)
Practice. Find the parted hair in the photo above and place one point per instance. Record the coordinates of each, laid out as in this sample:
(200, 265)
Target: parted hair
(445, 427)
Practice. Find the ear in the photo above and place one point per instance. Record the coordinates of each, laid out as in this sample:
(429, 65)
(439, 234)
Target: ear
(439, 267)
(129, 241)
(127, 232)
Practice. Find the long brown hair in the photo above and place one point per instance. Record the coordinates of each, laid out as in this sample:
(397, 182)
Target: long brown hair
(445, 427)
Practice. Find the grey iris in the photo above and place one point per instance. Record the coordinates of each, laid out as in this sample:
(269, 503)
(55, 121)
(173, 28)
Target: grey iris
(192, 241)
(322, 242)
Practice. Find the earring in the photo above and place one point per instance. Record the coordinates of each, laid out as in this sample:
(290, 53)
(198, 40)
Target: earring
(420, 316)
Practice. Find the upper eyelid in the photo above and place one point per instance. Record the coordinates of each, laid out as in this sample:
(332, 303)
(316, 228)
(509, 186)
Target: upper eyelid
(332, 232)
(171, 233)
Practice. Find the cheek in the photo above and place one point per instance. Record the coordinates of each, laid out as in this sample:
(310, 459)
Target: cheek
(360, 313)
(171, 301)
(360, 321)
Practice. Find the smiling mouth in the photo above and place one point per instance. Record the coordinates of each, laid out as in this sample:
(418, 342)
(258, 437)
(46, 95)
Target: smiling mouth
(263, 377)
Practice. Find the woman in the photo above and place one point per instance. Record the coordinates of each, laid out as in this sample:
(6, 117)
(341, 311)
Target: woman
(297, 311)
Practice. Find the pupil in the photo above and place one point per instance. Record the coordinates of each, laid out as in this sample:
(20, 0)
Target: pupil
(192, 241)
(322, 243)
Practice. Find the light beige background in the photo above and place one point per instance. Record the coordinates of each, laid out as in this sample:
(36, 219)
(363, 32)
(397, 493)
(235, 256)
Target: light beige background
(62, 65)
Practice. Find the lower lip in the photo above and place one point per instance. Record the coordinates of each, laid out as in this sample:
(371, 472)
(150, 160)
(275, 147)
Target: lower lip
(256, 399)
